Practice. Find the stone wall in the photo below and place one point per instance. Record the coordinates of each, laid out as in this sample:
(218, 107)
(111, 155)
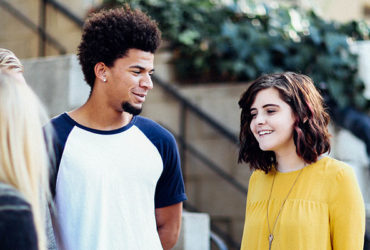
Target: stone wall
(58, 81)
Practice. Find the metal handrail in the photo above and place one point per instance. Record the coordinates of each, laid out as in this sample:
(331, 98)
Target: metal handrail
(217, 169)
(218, 241)
(201, 114)
(28, 22)
(196, 153)
(69, 14)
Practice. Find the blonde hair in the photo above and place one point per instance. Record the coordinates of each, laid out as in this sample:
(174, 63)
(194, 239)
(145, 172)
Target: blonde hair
(23, 157)
(10, 61)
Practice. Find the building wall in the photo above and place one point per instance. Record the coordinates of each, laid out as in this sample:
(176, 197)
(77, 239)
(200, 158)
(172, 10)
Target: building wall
(342, 10)
(16, 36)
(25, 42)
(338, 10)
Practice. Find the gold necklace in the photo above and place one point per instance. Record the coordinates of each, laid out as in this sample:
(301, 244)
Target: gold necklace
(271, 232)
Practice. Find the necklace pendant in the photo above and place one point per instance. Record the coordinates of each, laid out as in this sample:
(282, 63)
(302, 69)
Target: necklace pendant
(271, 238)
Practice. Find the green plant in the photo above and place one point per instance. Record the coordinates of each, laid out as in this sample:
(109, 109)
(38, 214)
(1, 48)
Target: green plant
(214, 42)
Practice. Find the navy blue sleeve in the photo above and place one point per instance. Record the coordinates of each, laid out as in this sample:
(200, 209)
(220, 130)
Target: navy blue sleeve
(170, 187)
(59, 127)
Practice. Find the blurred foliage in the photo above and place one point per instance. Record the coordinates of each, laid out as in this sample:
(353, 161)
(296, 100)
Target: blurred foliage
(212, 41)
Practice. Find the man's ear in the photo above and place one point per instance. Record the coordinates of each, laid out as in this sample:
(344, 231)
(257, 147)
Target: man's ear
(100, 71)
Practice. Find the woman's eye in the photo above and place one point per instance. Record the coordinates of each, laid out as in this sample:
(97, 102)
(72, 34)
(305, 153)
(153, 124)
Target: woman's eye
(253, 115)
(271, 111)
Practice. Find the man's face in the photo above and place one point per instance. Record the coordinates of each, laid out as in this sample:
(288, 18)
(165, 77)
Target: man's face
(129, 80)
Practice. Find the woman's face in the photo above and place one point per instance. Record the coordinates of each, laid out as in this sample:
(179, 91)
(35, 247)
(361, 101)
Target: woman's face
(272, 122)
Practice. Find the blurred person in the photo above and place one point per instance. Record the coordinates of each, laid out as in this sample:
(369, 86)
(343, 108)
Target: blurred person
(9, 60)
(23, 170)
(298, 197)
(118, 183)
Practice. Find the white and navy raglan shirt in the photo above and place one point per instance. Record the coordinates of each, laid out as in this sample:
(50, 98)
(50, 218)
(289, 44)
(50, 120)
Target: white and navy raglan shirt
(108, 183)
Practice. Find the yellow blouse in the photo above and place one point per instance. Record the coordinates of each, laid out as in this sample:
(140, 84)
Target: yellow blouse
(325, 209)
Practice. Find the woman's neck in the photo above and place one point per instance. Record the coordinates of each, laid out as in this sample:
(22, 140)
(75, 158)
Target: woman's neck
(289, 163)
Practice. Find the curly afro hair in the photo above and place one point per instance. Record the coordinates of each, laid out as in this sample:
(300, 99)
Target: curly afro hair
(109, 34)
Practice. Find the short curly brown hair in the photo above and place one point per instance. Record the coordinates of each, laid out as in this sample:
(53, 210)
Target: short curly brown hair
(109, 34)
(311, 136)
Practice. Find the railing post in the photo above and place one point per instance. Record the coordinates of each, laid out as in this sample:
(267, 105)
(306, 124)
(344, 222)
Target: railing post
(183, 138)
(42, 25)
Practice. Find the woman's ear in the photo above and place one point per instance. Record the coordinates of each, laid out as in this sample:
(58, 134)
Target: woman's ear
(100, 71)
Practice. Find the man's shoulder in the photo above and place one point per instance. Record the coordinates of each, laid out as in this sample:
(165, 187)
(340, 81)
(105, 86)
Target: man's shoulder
(141, 120)
(61, 120)
(153, 130)
(59, 125)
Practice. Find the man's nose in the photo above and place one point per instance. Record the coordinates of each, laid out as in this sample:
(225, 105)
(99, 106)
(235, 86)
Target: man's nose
(147, 82)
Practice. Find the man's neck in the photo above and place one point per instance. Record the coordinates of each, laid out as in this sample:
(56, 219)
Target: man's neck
(95, 116)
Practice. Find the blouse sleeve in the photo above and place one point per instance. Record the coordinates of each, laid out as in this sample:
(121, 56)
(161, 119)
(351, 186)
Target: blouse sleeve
(347, 212)
(252, 180)
(17, 230)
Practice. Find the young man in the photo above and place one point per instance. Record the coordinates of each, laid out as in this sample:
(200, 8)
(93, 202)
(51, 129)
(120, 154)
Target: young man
(118, 182)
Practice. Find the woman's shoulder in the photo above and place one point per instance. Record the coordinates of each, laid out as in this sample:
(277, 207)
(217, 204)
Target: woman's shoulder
(17, 229)
(331, 165)
(260, 176)
(257, 173)
(11, 199)
(331, 168)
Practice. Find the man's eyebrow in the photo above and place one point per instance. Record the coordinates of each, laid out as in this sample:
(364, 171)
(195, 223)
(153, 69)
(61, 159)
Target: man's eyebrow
(139, 67)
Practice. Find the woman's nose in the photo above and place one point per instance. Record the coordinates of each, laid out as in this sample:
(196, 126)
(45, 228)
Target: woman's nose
(260, 119)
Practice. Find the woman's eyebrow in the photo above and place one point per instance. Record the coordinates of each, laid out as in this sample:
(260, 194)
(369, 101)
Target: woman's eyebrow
(270, 105)
(265, 106)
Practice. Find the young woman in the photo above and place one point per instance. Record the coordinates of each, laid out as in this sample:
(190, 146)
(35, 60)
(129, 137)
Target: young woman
(23, 171)
(298, 198)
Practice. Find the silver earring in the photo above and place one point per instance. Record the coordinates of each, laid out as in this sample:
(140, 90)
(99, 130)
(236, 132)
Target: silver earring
(104, 80)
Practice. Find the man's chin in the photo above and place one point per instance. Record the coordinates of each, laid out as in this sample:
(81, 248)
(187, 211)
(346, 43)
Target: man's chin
(127, 107)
